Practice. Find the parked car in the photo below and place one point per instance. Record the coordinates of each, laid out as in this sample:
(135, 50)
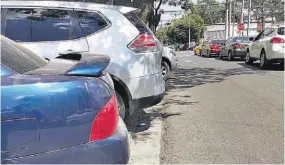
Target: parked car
(213, 46)
(197, 49)
(169, 61)
(38, 97)
(268, 47)
(235, 47)
(191, 48)
(53, 29)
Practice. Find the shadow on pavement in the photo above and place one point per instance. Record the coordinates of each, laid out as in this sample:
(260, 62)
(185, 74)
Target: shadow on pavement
(188, 78)
(144, 122)
(226, 59)
(255, 66)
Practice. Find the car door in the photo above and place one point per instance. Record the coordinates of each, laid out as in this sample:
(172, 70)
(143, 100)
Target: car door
(46, 31)
(265, 39)
(255, 46)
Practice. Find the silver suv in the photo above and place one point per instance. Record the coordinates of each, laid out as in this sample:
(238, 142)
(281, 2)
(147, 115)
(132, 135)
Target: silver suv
(55, 29)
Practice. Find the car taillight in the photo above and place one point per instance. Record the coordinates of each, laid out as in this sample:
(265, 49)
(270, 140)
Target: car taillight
(144, 43)
(238, 45)
(106, 122)
(276, 40)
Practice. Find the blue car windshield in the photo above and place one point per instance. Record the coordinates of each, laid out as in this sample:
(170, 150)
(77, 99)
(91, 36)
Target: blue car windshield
(18, 58)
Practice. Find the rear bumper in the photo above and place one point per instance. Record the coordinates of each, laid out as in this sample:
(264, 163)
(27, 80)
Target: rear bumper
(215, 51)
(113, 150)
(239, 52)
(147, 101)
(145, 86)
(276, 55)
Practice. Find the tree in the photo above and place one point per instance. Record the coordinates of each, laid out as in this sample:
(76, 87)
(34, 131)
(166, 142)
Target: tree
(178, 31)
(210, 10)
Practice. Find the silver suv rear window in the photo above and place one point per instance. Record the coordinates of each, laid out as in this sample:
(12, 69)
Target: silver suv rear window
(138, 23)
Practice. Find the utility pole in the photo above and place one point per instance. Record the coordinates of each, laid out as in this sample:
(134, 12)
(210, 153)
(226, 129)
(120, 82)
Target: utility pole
(188, 7)
(263, 16)
(242, 7)
(241, 18)
(189, 31)
(230, 19)
(227, 18)
(233, 31)
(248, 19)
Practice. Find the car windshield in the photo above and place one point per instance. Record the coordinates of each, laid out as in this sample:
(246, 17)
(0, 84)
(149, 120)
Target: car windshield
(19, 58)
(241, 39)
(218, 41)
(280, 31)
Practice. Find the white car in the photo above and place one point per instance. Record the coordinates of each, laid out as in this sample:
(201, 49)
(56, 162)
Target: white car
(55, 29)
(169, 61)
(268, 47)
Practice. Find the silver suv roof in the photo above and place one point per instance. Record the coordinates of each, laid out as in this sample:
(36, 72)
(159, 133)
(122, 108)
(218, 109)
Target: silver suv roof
(65, 4)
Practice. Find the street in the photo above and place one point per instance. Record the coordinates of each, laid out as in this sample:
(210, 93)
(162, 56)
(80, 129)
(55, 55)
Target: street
(223, 112)
(215, 111)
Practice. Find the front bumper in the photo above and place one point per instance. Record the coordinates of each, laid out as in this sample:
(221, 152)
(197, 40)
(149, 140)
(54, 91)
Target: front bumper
(113, 150)
(174, 63)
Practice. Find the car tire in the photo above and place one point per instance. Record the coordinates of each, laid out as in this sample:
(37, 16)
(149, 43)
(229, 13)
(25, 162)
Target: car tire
(248, 60)
(264, 63)
(230, 56)
(220, 55)
(121, 105)
(165, 69)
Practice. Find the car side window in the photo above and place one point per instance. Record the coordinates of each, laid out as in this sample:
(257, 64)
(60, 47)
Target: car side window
(18, 25)
(37, 25)
(90, 22)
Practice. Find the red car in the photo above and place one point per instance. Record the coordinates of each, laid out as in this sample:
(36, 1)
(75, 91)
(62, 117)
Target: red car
(213, 46)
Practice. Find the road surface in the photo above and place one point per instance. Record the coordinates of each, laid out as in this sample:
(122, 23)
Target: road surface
(223, 112)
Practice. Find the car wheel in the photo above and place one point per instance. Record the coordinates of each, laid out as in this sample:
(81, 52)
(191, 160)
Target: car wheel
(248, 60)
(220, 55)
(121, 105)
(230, 56)
(263, 61)
(165, 70)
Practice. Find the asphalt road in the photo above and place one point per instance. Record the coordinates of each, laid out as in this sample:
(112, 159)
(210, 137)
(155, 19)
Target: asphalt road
(223, 112)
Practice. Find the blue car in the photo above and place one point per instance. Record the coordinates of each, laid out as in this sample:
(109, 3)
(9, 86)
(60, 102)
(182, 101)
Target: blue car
(58, 111)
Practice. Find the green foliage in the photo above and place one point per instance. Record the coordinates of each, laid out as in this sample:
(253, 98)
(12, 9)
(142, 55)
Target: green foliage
(210, 10)
(178, 31)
